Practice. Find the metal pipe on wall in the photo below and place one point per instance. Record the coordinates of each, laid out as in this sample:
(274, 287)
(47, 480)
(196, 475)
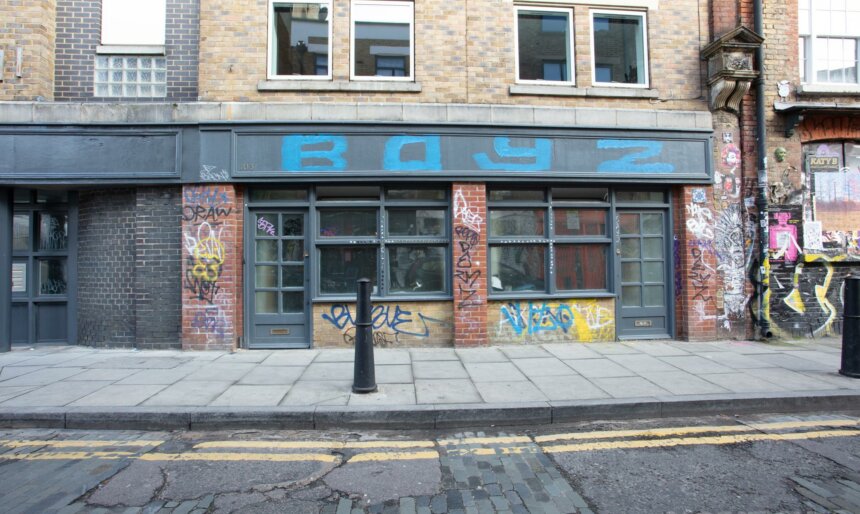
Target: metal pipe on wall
(764, 331)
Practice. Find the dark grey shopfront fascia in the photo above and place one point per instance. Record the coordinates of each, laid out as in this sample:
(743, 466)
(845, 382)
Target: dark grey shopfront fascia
(642, 246)
(279, 303)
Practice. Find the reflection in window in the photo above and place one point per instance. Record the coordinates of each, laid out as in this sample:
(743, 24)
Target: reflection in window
(580, 267)
(342, 266)
(518, 268)
(347, 222)
(416, 222)
(544, 44)
(53, 231)
(300, 39)
(382, 35)
(52, 276)
(21, 232)
(619, 48)
(416, 269)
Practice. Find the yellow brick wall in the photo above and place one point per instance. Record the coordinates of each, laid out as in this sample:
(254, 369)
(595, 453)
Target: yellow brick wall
(31, 25)
(464, 53)
(395, 324)
(581, 320)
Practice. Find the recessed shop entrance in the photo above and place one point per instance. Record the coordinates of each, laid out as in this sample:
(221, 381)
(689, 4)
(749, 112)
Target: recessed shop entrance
(279, 306)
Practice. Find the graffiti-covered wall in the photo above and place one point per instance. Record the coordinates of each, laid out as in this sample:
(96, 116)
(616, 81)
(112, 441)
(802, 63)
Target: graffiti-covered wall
(395, 324)
(211, 266)
(584, 320)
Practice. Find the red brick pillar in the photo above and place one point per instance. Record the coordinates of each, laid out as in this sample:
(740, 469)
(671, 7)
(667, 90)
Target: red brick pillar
(211, 267)
(696, 287)
(470, 264)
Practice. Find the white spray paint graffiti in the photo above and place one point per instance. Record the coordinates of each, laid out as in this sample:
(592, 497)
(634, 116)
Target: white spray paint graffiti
(464, 214)
(213, 174)
(700, 221)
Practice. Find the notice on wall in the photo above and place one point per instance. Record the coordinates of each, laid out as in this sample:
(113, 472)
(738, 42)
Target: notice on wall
(19, 277)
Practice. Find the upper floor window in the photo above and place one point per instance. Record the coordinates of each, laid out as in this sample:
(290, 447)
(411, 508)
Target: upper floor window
(300, 39)
(619, 48)
(828, 31)
(544, 44)
(382, 42)
(127, 23)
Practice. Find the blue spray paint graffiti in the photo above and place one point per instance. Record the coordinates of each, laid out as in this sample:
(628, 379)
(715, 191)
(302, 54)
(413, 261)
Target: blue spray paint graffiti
(628, 163)
(391, 160)
(293, 152)
(541, 154)
(391, 317)
(538, 317)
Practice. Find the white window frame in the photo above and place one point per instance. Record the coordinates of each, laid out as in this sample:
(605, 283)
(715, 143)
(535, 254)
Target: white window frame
(123, 24)
(352, 21)
(571, 64)
(646, 65)
(270, 54)
(806, 42)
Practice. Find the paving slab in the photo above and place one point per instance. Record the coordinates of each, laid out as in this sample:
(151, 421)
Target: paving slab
(573, 387)
(328, 392)
(734, 360)
(696, 364)
(291, 358)
(16, 371)
(387, 394)
(438, 369)
(11, 392)
(392, 374)
(433, 354)
(614, 349)
(491, 354)
(255, 356)
(446, 391)
(629, 387)
(336, 355)
(119, 396)
(525, 352)
(657, 349)
(251, 396)
(543, 367)
(42, 377)
(391, 356)
(57, 394)
(142, 361)
(642, 363)
(792, 380)
(111, 375)
(156, 377)
(328, 370)
(793, 362)
(683, 383)
(599, 368)
(494, 372)
(572, 351)
(272, 375)
(188, 393)
(742, 382)
(218, 372)
(506, 392)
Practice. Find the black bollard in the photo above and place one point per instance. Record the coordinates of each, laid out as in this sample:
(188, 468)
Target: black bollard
(364, 375)
(851, 328)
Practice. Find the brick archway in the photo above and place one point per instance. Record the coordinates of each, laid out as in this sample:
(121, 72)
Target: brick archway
(828, 127)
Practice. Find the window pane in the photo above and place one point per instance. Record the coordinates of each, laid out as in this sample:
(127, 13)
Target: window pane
(630, 248)
(52, 196)
(267, 225)
(21, 232)
(293, 276)
(631, 296)
(580, 267)
(543, 45)
(266, 276)
(293, 250)
(53, 231)
(19, 277)
(653, 271)
(631, 272)
(300, 38)
(382, 39)
(619, 50)
(416, 269)
(348, 222)
(325, 193)
(640, 196)
(266, 302)
(293, 302)
(517, 195)
(341, 266)
(52, 276)
(267, 251)
(518, 268)
(293, 224)
(262, 195)
(580, 222)
(418, 222)
(653, 296)
(652, 248)
(652, 224)
(517, 223)
(415, 194)
(629, 223)
(581, 193)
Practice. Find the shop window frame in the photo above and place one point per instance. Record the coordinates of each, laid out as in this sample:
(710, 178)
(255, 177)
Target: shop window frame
(806, 38)
(355, 7)
(549, 240)
(646, 61)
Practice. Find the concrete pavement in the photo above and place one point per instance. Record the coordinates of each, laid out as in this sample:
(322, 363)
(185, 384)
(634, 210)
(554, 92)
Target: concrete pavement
(79, 387)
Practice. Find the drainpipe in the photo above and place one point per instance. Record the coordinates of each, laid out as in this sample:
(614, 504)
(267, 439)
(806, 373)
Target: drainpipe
(764, 331)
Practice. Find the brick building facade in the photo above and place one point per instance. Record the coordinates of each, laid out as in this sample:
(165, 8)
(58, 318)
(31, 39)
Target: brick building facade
(224, 179)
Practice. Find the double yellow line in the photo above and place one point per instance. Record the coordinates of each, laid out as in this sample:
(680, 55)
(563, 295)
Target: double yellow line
(280, 451)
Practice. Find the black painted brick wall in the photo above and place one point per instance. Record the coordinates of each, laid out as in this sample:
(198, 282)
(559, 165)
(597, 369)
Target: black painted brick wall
(79, 33)
(129, 268)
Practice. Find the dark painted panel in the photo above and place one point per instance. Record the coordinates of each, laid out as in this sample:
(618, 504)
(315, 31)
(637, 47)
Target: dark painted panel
(93, 155)
(51, 322)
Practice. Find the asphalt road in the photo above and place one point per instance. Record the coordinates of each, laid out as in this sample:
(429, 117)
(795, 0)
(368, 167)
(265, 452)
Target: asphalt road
(718, 464)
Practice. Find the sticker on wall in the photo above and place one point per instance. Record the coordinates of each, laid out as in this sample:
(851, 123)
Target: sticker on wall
(699, 195)
(812, 235)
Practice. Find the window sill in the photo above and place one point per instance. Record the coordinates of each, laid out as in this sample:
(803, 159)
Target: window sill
(130, 49)
(602, 92)
(828, 89)
(532, 295)
(339, 85)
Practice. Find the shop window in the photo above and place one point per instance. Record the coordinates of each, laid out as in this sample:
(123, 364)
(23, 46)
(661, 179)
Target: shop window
(382, 40)
(828, 41)
(397, 238)
(300, 39)
(552, 241)
(544, 44)
(619, 48)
